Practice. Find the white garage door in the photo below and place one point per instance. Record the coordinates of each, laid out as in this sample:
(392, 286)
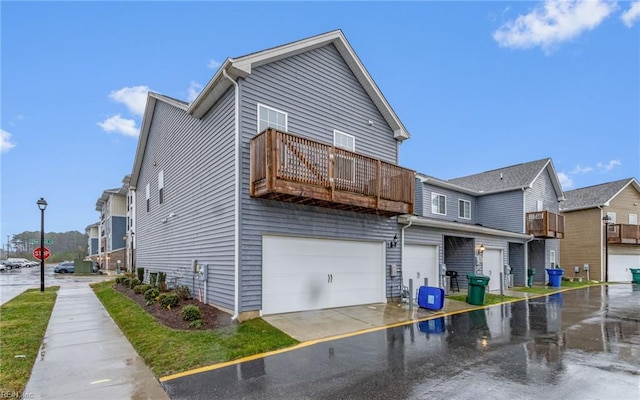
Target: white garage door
(492, 266)
(308, 274)
(619, 267)
(419, 262)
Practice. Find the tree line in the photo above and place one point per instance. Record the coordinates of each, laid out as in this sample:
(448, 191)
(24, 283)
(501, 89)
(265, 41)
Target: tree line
(63, 245)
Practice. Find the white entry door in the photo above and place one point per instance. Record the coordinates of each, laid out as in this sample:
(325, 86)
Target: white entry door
(492, 266)
(419, 262)
(619, 265)
(300, 273)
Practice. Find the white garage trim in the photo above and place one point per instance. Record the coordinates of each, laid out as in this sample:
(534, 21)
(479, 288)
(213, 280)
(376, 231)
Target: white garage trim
(420, 261)
(304, 273)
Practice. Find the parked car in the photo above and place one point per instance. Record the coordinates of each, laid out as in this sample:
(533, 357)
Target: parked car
(65, 267)
(20, 262)
(11, 264)
(3, 267)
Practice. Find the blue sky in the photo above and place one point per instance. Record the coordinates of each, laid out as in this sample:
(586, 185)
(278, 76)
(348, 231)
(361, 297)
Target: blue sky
(479, 85)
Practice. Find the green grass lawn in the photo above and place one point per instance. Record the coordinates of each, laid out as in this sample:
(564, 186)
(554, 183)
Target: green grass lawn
(168, 351)
(23, 323)
(564, 285)
(489, 298)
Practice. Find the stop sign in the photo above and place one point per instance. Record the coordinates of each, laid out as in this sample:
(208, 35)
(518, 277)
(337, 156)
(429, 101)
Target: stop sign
(37, 253)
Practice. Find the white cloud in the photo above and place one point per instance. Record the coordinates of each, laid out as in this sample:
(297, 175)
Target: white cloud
(135, 98)
(581, 170)
(565, 180)
(608, 166)
(553, 22)
(630, 16)
(214, 64)
(121, 125)
(5, 141)
(194, 89)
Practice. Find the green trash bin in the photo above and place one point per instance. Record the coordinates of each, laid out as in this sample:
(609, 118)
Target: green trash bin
(477, 288)
(636, 275)
(530, 273)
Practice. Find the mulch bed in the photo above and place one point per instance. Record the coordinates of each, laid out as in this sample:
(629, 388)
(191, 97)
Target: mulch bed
(210, 316)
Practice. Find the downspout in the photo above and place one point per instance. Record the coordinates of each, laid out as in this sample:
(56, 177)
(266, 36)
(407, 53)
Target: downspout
(402, 250)
(236, 233)
(603, 259)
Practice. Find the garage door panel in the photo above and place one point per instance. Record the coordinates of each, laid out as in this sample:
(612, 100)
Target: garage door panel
(619, 265)
(307, 273)
(419, 262)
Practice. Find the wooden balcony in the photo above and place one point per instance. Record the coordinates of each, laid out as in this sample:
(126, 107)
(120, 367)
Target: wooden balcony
(290, 168)
(545, 224)
(623, 234)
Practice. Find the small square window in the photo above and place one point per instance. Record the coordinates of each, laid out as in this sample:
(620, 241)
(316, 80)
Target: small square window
(438, 204)
(271, 118)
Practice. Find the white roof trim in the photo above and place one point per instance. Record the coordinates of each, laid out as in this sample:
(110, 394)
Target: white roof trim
(242, 67)
(554, 179)
(457, 226)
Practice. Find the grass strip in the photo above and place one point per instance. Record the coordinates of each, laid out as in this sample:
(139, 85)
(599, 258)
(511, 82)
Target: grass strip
(489, 298)
(169, 351)
(564, 285)
(23, 323)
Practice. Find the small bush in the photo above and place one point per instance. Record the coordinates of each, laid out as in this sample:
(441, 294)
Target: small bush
(153, 278)
(198, 324)
(120, 279)
(168, 300)
(140, 272)
(151, 294)
(141, 289)
(190, 312)
(126, 281)
(183, 292)
(133, 282)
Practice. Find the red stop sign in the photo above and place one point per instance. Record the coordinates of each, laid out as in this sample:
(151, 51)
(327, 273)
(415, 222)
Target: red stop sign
(37, 253)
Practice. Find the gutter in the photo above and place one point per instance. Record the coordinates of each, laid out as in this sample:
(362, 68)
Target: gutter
(412, 219)
(236, 233)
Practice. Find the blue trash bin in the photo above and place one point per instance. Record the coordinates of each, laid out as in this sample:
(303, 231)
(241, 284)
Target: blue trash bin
(555, 276)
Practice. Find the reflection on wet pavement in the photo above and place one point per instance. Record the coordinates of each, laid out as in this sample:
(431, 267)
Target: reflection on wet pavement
(579, 344)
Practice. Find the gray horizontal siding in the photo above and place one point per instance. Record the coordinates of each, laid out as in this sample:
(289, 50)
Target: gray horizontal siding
(452, 198)
(197, 157)
(502, 211)
(319, 93)
(542, 189)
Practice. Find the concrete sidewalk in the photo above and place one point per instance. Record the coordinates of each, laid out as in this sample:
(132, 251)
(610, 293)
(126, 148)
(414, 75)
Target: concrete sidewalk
(86, 356)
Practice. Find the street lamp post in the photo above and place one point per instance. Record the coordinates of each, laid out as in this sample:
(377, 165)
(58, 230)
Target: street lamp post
(42, 205)
(606, 220)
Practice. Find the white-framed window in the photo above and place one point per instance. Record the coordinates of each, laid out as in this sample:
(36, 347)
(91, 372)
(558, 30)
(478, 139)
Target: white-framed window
(161, 187)
(464, 209)
(148, 196)
(612, 217)
(633, 219)
(345, 166)
(269, 117)
(539, 205)
(438, 204)
(552, 258)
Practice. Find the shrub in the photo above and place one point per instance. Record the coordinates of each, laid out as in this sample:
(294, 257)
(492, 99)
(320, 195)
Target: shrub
(162, 281)
(120, 279)
(140, 272)
(141, 289)
(183, 292)
(153, 278)
(126, 281)
(190, 312)
(133, 282)
(168, 300)
(198, 324)
(151, 294)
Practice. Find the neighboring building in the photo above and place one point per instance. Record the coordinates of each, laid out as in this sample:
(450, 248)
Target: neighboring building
(93, 245)
(499, 221)
(130, 242)
(112, 206)
(277, 188)
(585, 244)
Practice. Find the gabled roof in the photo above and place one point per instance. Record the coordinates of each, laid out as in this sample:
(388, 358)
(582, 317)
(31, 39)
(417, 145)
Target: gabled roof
(596, 196)
(515, 177)
(241, 67)
(122, 191)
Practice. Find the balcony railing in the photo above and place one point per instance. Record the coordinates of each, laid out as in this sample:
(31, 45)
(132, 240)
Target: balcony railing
(545, 224)
(623, 234)
(290, 168)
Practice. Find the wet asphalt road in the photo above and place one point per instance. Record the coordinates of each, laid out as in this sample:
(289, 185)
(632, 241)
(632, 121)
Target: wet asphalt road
(581, 344)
